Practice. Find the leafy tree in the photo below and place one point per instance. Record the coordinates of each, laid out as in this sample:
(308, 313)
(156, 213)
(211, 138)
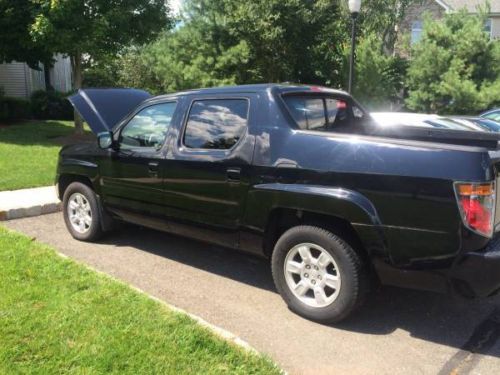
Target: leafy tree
(455, 68)
(95, 28)
(379, 77)
(16, 43)
(382, 18)
(103, 72)
(223, 42)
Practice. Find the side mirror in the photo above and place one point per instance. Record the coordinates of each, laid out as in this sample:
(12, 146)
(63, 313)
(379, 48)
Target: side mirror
(105, 140)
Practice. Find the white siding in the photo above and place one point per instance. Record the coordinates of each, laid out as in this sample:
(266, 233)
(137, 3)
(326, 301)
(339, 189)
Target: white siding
(18, 80)
(495, 27)
(13, 79)
(36, 79)
(60, 74)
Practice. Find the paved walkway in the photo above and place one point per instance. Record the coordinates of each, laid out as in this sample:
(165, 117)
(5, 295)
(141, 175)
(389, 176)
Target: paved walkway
(397, 331)
(28, 202)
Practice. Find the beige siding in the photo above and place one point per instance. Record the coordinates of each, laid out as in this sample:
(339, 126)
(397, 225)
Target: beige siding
(13, 79)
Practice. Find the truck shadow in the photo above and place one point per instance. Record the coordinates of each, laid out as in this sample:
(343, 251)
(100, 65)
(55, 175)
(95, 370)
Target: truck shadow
(469, 325)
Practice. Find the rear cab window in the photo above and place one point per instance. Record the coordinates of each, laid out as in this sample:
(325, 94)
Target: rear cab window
(324, 113)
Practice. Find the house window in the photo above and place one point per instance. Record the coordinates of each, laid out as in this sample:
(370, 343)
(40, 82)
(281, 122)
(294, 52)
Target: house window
(487, 27)
(416, 31)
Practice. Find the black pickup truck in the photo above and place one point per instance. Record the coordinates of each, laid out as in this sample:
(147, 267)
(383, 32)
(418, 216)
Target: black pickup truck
(298, 174)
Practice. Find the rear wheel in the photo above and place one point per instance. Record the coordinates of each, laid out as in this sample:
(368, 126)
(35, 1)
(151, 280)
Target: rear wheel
(81, 212)
(319, 275)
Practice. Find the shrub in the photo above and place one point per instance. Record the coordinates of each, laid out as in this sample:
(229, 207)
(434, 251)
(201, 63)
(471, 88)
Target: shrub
(12, 109)
(51, 105)
(455, 67)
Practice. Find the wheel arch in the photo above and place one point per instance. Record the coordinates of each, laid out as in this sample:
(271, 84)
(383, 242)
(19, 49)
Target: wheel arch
(65, 179)
(344, 212)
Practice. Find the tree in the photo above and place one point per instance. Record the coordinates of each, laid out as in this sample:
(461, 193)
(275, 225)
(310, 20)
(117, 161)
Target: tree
(94, 28)
(379, 77)
(455, 68)
(234, 41)
(16, 42)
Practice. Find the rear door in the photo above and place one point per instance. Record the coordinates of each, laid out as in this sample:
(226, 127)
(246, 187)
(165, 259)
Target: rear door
(207, 168)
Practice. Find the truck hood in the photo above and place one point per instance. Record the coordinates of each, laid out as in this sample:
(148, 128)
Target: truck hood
(103, 109)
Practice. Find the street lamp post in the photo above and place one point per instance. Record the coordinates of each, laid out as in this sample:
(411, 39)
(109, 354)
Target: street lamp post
(354, 7)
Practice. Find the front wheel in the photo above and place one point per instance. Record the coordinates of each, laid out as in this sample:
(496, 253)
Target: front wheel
(319, 275)
(81, 212)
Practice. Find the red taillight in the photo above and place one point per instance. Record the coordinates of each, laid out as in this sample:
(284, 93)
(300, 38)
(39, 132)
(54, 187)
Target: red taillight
(477, 206)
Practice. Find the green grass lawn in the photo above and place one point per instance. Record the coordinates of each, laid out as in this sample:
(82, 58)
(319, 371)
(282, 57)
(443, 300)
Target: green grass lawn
(57, 316)
(28, 153)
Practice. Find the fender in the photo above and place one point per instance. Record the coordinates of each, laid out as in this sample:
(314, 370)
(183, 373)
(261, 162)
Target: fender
(345, 204)
(78, 167)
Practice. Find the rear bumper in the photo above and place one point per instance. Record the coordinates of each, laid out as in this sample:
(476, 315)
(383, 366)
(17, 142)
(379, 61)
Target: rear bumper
(477, 274)
(474, 274)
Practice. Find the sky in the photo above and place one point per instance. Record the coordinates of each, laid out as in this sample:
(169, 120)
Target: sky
(175, 5)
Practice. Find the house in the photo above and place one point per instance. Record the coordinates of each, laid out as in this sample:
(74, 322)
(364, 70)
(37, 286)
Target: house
(413, 21)
(17, 79)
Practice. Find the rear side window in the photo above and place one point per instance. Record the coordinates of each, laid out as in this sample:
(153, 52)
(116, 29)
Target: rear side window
(216, 123)
(322, 113)
(309, 113)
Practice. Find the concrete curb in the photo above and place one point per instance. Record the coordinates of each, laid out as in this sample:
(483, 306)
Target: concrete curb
(15, 204)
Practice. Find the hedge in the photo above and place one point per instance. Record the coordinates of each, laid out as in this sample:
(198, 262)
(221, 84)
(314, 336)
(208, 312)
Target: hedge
(12, 109)
(51, 105)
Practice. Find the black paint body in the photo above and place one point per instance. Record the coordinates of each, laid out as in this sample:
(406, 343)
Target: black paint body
(395, 194)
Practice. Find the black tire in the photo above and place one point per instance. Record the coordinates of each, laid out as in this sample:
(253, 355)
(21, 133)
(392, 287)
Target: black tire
(94, 231)
(353, 275)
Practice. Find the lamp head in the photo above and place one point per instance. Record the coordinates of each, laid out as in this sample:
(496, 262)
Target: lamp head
(354, 6)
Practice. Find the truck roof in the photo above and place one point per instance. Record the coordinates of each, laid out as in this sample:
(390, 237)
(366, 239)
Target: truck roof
(254, 88)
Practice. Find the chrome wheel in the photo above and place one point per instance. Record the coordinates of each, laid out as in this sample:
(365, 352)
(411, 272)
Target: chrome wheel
(79, 213)
(312, 275)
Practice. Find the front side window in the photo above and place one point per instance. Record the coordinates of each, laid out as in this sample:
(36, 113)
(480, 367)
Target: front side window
(216, 123)
(149, 127)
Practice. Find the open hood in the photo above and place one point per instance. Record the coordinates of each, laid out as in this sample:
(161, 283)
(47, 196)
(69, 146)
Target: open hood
(103, 109)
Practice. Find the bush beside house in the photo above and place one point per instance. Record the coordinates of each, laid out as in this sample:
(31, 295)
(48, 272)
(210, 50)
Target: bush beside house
(13, 108)
(43, 105)
(51, 105)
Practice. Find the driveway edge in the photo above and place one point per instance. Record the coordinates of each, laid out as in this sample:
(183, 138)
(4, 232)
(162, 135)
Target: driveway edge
(218, 331)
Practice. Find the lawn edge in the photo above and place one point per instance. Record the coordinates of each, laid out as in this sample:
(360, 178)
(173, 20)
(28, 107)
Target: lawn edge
(219, 332)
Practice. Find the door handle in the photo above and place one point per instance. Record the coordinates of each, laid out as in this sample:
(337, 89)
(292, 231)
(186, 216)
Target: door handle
(153, 167)
(233, 174)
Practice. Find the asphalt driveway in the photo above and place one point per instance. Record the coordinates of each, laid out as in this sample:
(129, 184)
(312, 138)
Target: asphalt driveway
(397, 331)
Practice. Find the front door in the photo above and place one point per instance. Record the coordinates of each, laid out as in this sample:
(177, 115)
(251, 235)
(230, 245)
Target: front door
(207, 169)
(131, 180)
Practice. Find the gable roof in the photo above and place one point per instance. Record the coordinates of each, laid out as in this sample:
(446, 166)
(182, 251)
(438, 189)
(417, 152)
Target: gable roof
(470, 5)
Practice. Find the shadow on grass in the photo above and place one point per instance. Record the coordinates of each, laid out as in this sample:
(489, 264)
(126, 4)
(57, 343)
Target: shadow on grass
(43, 133)
(443, 319)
